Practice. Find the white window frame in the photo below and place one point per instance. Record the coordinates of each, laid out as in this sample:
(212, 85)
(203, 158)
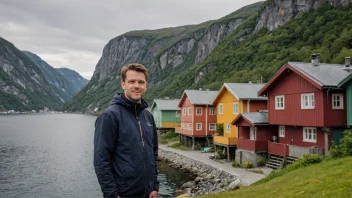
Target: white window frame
(212, 127)
(221, 108)
(199, 108)
(235, 108)
(187, 100)
(184, 111)
(199, 126)
(228, 128)
(339, 99)
(310, 103)
(277, 106)
(189, 111)
(281, 131)
(313, 136)
(178, 114)
(212, 111)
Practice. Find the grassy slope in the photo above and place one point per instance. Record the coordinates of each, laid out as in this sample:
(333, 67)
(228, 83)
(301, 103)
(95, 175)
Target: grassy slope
(331, 178)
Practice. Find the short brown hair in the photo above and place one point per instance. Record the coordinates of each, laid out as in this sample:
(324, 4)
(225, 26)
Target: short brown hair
(134, 67)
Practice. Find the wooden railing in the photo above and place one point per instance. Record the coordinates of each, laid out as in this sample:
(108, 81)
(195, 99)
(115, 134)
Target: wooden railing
(252, 145)
(277, 149)
(225, 140)
(299, 151)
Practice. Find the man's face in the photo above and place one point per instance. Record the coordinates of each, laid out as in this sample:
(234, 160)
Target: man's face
(134, 86)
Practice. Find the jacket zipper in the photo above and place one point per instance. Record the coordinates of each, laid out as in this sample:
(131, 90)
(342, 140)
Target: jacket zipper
(139, 123)
(141, 132)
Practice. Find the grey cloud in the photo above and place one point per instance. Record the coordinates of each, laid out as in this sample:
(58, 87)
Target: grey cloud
(70, 29)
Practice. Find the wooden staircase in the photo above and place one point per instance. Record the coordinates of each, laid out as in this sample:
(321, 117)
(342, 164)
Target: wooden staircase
(290, 160)
(276, 162)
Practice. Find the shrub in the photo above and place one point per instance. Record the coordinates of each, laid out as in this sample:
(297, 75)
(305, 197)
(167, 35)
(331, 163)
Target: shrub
(220, 153)
(236, 164)
(306, 160)
(248, 165)
(262, 162)
(345, 148)
(220, 129)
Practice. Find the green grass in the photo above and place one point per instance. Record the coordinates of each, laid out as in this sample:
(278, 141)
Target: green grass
(179, 147)
(331, 178)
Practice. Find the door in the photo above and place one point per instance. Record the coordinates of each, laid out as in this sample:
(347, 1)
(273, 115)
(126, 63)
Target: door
(253, 132)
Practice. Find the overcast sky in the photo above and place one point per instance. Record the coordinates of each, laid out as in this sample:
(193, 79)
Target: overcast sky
(73, 33)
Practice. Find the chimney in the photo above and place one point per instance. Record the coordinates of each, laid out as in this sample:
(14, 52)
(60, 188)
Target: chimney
(315, 59)
(347, 64)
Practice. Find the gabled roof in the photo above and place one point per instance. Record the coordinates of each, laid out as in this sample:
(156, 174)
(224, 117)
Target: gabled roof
(322, 75)
(254, 118)
(345, 81)
(242, 91)
(166, 104)
(199, 97)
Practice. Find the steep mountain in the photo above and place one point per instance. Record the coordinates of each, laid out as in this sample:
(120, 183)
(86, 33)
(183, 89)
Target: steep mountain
(22, 83)
(166, 52)
(266, 37)
(61, 85)
(77, 81)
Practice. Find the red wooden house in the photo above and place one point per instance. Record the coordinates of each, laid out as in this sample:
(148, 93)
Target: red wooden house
(198, 118)
(306, 105)
(254, 132)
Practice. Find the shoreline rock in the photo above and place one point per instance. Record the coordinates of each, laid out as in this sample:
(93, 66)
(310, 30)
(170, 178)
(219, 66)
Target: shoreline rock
(207, 178)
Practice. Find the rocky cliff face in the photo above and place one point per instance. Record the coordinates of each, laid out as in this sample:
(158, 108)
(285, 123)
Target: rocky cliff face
(278, 12)
(22, 83)
(77, 81)
(165, 52)
(61, 85)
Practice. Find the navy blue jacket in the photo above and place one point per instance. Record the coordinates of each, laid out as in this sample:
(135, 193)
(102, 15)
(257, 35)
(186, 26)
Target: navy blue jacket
(126, 149)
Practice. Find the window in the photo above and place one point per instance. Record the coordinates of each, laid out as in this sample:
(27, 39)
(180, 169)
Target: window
(235, 108)
(337, 101)
(279, 102)
(212, 111)
(178, 113)
(199, 111)
(189, 126)
(307, 101)
(221, 110)
(199, 126)
(189, 111)
(187, 100)
(184, 111)
(281, 131)
(228, 128)
(309, 134)
(212, 127)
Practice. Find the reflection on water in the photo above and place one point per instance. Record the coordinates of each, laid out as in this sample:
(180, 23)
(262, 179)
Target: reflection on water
(50, 155)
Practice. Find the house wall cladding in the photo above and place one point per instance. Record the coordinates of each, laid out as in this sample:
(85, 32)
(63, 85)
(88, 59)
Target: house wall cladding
(292, 86)
(334, 117)
(243, 156)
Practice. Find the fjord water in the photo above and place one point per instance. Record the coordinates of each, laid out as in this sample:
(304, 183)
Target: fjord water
(51, 155)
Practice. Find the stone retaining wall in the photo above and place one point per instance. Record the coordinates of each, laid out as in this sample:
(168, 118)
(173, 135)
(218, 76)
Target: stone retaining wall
(208, 179)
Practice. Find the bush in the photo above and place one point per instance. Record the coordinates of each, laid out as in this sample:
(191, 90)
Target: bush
(220, 129)
(236, 164)
(220, 153)
(305, 161)
(262, 162)
(248, 165)
(345, 148)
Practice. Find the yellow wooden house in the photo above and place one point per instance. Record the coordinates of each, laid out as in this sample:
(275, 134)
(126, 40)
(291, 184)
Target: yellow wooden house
(232, 100)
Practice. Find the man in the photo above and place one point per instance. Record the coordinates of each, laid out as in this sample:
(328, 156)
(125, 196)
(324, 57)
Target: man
(125, 141)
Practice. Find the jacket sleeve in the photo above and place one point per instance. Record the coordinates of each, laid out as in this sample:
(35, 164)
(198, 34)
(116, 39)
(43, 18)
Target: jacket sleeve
(104, 144)
(155, 148)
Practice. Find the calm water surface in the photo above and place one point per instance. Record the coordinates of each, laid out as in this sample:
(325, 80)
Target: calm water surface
(51, 155)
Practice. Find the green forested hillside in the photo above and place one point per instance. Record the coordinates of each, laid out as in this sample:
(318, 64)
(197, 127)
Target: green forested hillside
(326, 30)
